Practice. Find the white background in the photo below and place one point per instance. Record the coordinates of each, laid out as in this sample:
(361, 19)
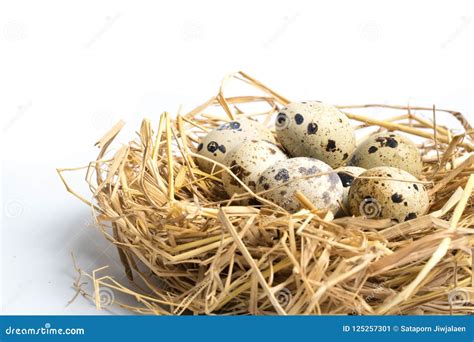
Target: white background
(69, 70)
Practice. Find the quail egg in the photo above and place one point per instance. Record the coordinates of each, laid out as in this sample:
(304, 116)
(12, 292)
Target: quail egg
(347, 175)
(388, 149)
(317, 130)
(389, 193)
(219, 142)
(247, 162)
(312, 177)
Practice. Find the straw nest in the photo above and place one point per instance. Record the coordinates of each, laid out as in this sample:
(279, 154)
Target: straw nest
(187, 248)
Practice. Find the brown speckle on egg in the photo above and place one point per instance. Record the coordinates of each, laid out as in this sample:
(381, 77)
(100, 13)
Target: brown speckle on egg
(224, 139)
(331, 146)
(312, 128)
(241, 162)
(314, 178)
(212, 146)
(346, 178)
(347, 174)
(308, 170)
(282, 175)
(316, 130)
(299, 119)
(391, 199)
(387, 141)
(373, 149)
(397, 198)
(394, 150)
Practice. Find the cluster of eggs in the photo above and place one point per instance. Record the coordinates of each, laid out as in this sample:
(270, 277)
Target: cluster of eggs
(319, 158)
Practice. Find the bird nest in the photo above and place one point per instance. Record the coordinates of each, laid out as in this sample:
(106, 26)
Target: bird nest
(187, 248)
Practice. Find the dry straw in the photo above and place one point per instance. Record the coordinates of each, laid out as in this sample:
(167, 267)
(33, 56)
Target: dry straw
(188, 249)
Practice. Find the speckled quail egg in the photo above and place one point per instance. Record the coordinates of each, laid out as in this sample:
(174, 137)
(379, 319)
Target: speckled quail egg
(388, 149)
(389, 193)
(317, 130)
(247, 162)
(347, 175)
(219, 142)
(312, 177)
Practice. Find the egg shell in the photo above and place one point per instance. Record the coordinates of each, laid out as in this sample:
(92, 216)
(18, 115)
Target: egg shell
(312, 177)
(388, 149)
(389, 193)
(221, 141)
(347, 174)
(247, 162)
(317, 130)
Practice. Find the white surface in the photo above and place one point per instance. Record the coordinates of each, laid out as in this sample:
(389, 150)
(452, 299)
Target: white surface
(68, 71)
